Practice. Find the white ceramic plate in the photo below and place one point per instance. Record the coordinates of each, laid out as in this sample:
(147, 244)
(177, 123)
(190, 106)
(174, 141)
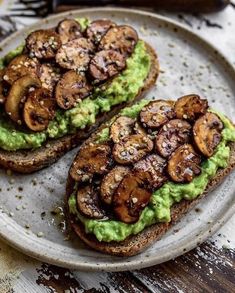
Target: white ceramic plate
(188, 65)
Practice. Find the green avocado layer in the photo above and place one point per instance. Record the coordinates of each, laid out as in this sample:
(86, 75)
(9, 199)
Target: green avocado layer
(162, 199)
(122, 88)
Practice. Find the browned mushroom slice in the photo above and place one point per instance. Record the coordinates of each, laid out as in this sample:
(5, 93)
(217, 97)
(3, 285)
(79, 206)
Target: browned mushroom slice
(207, 133)
(120, 38)
(69, 29)
(3, 87)
(20, 66)
(151, 171)
(88, 203)
(110, 183)
(156, 113)
(190, 107)
(173, 134)
(75, 54)
(97, 29)
(71, 89)
(138, 129)
(39, 109)
(43, 44)
(132, 148)
(17, 95)
(122, 127)
(91, 159)
(130, 198)
(49, 76)
(183, 164)
(106, 64)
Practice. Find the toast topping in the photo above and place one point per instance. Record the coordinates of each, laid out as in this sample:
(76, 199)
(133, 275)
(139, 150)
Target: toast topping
(17, 96)
(132, 149)
(90, 160)
(184, 164)
(190, 107)
(106, 64)
(156, 113)
(43, 44)
(39, 109)
(110, 183)
(97, 29)
(121, 38)
(207, 133)
(173, 134)
(69, 29)
(88, 203)
(49, 75)
(3, 87)
(71, 89)
(121, 128)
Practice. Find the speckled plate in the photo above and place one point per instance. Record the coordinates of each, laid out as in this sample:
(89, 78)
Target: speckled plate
(189, 64)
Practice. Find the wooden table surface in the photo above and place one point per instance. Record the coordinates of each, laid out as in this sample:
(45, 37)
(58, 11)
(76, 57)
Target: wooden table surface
(208, 268)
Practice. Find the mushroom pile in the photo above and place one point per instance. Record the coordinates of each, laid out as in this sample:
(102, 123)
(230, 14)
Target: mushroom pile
(167, 141)
(60, 66)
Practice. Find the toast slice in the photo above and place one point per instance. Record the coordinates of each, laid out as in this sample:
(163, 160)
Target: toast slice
(28, 161)
(134, 244)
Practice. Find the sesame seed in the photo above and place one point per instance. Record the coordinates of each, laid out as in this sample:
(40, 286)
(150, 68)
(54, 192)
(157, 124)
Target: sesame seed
(40, 234)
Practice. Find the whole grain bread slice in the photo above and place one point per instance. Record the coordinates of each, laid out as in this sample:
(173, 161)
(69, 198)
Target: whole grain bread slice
(136, 243)
(28, 161)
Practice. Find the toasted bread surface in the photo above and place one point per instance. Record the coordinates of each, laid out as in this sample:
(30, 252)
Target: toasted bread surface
(28, 161)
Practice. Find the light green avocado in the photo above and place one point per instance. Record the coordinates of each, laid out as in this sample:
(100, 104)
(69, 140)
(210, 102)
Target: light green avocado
(123, 88)
(162, 199)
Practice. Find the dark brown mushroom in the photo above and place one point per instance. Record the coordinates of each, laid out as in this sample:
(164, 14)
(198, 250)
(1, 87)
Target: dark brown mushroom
(121, 38)
(3, 87)
(207, 133)
(39, 109)
(106, 64)
(190, 107)
(110, 183)
(132, 148)
(184, 164)
(69, 29)
(173, 134)
(157, 113)
(122, 127)
(75, 54)
(88, 203)
(91, 159)
(49, 75)
(43, 44)
(71, 89)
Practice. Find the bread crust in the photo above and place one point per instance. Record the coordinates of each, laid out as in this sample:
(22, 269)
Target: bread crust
(134, 244)
(28, 161)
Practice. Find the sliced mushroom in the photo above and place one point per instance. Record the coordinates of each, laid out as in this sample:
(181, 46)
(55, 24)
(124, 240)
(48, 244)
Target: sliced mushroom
(190, 107)
(97, 29)
(184, 164)
(130, 198)
(132, 148)
(43, 44)
(91, 159)
(106, 64)
(122, 127)
(75, 54)
(20, 66)
(88, 203)
(110, 183)
(3, 87)
(39, 109)
(71, 89)
(157, 113)
(173, 134)
(49, 75)
(139, 129)
(17, 95)
(69, 29)
(207, 133)
(121, 38)
(151, 171)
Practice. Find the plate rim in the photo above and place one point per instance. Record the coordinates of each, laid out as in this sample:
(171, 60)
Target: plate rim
(140, 263)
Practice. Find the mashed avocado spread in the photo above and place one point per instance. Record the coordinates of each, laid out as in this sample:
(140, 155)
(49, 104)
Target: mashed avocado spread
(123, 88)
(162, 199)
